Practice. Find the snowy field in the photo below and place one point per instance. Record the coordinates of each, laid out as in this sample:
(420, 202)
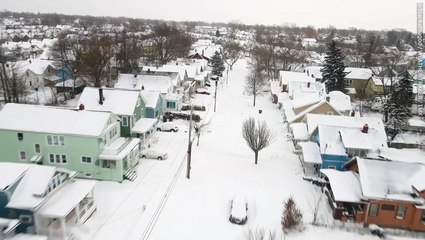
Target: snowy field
(162, 204)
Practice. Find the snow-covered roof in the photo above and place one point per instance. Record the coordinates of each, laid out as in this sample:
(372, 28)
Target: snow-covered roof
(418, 180)
(299, 130)
(180, 69)
(62, 203)
(37, 66)
(354, 138)
(410, 138)
(148, 82)
(380, 81)
(52, 120)
(353, 73)
(305, 101)
(340, 101)
(70, 83)
(330, 142)
(275, 88)
(120, 148)
(28, 193)
(412, 155)
(358, 73)
(301, 115)
(11, 172)
(143, 125)
(288, 76)
(24, 236)
(118, 101)
(151, 98)
(311, 152)
(389, 180)
(298, 90)
(345, 185)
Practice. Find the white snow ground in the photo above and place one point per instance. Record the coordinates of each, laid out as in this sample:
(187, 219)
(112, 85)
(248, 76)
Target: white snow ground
(162, 204)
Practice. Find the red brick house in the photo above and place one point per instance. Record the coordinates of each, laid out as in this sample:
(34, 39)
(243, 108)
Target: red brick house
(392, 194)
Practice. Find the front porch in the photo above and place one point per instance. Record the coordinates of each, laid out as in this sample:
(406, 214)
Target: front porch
(70, 207)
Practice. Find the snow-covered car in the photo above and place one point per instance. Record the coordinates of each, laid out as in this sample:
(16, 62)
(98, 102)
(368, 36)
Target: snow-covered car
(153, 154)
(167, 127)
(238, 210)
(202, 91)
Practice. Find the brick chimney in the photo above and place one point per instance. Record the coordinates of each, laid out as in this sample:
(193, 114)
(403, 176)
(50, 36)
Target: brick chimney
(101, 96)
(81, 107)
(365, 128)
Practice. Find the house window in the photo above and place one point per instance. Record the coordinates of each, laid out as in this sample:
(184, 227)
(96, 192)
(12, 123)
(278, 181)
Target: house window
(330, 113)
(23, 155)
(109, 164)
(332, 167)
(349, 82)
(387, 207)
(86, 159)
(20, 137)
(401, 212)
(374, 209)
(58, 158)
(124, 121)
(171, 105)
(25, 219)
(37, 148)
(55, 140)
(423, 217)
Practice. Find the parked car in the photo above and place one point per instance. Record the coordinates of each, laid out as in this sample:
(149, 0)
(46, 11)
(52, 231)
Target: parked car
(202, 91)
(238, 210)
(153, 154)
(168, 127)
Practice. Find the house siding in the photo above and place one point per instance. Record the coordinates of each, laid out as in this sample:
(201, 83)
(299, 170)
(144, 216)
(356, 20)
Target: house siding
(387, 218)
(75, 147)
(334, 160)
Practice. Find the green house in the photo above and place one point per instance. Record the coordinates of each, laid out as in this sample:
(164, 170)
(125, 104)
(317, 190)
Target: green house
(87, 142)
(126, 104)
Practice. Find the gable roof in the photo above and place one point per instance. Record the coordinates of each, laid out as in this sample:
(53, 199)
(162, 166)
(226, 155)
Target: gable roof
(28, 193)
(117, 101)
(311, 108)
(10, 173)
(389, 180)
(52, 120)
(345, 185)
(151, 97)
(340, 101)
(148, 82)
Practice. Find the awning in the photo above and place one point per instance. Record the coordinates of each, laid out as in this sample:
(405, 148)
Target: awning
(36, 159)
(144, 125)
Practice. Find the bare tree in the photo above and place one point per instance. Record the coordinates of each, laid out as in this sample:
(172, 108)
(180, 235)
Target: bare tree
(96, 53)
(4, 75)
(169, 43)
(314, 205)
(129, 52)
(257, 135)
(17, 88)
(232, 52)
(255, 83)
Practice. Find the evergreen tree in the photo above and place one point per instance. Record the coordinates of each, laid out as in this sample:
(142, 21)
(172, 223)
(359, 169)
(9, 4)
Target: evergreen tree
(398, 106)
(217, 64)
(333, 70)
(403, 91)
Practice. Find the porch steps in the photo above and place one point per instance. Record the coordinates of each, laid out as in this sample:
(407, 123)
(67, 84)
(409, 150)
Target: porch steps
(130, 174)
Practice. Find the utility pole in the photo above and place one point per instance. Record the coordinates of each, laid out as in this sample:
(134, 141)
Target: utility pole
(215, 94)
(189, 145)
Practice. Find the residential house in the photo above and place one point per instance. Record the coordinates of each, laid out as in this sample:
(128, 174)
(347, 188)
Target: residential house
(153, 103)
(376, 87)
(341, 137)
(357, 79)
(128, 105)
(385, 193)
(37, 73)
(30, 192)
(171, 101)
(341, 102)
(87, 142)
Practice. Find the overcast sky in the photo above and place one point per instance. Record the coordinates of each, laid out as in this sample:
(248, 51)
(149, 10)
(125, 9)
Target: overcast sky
(366, 14)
